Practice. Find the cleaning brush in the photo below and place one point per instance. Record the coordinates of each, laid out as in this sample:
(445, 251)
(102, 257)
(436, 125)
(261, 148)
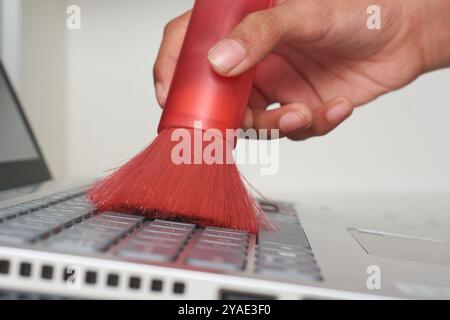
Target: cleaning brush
(200, 103)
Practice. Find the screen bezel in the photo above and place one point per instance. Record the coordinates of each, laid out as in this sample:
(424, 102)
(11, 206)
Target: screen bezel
(22, 172)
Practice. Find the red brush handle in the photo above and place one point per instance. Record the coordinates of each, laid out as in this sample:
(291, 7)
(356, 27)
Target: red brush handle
(197, 92)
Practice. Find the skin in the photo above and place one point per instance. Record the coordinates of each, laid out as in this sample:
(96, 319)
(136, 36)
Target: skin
(317, 58)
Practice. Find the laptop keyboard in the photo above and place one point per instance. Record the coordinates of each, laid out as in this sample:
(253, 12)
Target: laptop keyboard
(68, 222)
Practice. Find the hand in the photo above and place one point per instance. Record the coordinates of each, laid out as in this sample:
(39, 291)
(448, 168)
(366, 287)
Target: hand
(318, 59)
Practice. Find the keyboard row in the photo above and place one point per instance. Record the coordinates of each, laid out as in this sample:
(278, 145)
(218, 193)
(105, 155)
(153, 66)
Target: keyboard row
(38, 204)
(38, 223)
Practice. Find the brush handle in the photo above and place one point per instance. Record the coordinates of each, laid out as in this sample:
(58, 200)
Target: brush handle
(197, 92)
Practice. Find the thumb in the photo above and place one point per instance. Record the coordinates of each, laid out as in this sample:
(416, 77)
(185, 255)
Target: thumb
(260, 32)
(250, 42)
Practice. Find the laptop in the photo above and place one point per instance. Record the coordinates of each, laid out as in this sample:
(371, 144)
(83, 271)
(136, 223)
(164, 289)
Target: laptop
(55, 245)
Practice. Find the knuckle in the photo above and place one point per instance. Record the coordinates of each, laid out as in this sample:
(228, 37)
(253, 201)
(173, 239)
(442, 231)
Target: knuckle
(170, 26)
(261, 26)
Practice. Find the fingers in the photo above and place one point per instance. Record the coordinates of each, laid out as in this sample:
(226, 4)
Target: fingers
(325, 119)
(287, 118)
(169, 51)
(298, 121)
(260, 32)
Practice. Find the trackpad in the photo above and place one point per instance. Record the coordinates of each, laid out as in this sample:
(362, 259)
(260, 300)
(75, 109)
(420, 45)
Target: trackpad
(404, 247)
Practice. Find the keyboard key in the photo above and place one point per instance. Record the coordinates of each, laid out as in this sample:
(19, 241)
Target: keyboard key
(219, 249)
(97, 228)
(89, 235)
(216, 259)
(156, 241)
(288, 272)
(164, 230)
(9, 233)
(226, 232)
(104, 222)
(220, 240)
(17, 224)
(77, 246)
(303, 261)
(220, 246)
(38, 221)
(270, 246)
(123, 216)
(153, 236)
(64, 221)
(174, 225)
(284, 236)
(149, 252)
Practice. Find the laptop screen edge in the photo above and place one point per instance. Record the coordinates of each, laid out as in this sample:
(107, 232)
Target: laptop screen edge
(22, 172)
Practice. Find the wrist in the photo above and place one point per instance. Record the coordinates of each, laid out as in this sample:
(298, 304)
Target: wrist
(434, 26)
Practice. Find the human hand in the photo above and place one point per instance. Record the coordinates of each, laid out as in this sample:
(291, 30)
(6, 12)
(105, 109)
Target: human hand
(318, 59)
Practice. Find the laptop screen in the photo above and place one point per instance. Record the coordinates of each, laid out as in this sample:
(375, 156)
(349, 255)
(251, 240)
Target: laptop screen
(20, 159)
(15, 140)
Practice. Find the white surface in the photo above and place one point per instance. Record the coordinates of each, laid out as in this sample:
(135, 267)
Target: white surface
(10, 37)
(34, 43)
(399, 142)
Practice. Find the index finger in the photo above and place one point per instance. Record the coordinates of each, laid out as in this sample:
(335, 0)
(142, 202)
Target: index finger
(169, 51)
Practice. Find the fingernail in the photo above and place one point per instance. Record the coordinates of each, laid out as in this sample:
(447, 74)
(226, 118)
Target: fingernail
(292, 121)
(339, 112)
(160, 95)
(226, 55)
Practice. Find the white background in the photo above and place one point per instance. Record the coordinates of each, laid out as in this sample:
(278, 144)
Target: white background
(89, 94)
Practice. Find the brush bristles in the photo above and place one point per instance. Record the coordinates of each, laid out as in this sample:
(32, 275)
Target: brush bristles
(151, 184)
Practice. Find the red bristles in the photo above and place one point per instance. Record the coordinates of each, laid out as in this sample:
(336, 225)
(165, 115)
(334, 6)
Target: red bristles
(151, 184)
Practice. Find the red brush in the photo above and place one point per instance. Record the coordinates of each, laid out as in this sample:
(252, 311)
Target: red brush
(151, 183)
